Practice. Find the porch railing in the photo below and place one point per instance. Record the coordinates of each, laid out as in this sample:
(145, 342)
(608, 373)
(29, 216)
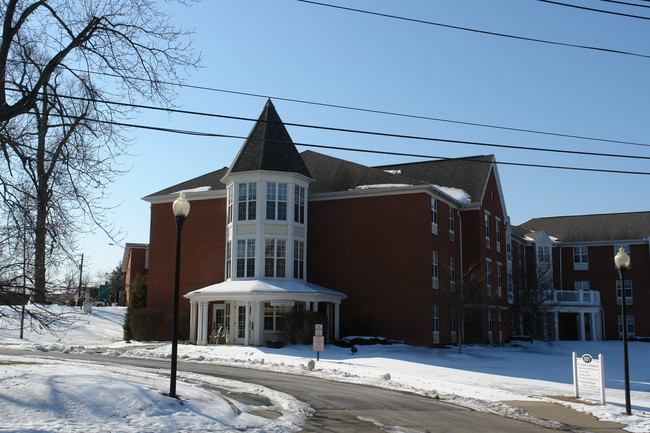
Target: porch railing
(577, 297)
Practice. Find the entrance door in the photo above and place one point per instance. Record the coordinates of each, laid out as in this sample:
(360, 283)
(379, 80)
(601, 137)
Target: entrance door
(240, 325)
(220, 333)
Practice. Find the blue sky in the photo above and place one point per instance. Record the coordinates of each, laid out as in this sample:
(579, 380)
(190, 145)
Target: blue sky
(291, 49)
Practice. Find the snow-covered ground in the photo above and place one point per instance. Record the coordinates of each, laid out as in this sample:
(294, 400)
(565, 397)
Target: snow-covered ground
(480, 377)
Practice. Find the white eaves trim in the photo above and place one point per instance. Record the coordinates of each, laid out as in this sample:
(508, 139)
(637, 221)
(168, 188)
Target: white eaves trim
(201, 193)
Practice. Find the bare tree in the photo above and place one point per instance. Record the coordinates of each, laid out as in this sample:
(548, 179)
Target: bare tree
(534, 301)
(62, 62)
(128, 40)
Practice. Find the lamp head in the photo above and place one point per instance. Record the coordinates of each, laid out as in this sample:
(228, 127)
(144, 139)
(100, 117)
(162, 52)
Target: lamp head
(181, 206)
(622, 259)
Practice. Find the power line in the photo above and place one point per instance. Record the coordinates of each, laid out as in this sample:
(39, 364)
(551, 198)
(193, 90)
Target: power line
(374, 111)
(594, 9)
(367, 132)
(485, 32)
(627, 3)
(348, 149)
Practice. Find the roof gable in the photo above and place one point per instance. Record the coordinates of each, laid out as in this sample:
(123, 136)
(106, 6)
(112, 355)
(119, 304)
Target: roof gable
(269, 147)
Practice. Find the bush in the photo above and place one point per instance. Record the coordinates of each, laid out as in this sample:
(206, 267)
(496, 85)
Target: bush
(298, 326)
(126, 327)
(144, 322)
(275, 344)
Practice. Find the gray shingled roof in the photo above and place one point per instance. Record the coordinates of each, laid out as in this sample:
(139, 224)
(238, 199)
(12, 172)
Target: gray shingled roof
(469, 174)
(269, 147)
(333, 174)
(212, 179)
(583, 228)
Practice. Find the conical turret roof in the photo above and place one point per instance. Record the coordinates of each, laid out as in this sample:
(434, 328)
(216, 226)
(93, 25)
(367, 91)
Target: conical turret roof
(269, 147)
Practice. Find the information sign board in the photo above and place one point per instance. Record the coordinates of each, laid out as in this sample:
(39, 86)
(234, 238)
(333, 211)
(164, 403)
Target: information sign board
(589, 373)
(318, 329)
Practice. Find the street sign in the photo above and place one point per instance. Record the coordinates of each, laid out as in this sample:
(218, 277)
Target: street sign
(318, 329)
(589, 373)
(319, 343)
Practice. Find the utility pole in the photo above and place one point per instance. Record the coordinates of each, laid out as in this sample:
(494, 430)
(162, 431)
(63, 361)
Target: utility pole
(81, 271)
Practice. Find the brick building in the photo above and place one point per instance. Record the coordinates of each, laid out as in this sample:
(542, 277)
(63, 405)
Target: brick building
(421, 252)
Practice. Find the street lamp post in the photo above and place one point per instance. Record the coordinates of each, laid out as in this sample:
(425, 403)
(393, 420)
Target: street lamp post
(181, 208)
(622, 260)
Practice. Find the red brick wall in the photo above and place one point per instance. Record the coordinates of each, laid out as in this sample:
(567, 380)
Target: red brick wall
(377, 250)
(202, 251)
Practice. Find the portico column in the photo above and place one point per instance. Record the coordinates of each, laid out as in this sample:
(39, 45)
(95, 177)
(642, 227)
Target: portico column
(337, 308)
(256, 318)
(583, 337)
(247, 321)
(594, 331)
(203, 324)
(193, 307)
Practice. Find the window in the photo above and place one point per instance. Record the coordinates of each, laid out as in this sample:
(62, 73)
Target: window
(452, 273)
(275, 253)
(543, 254)
(434, 212)
(509, 246)
(434, 268)
(299, 260)
(628, 292)
(487, 230)
(453, 320)
(581, 285)
(276, 201)
(245, 258)
(489, 324)
(580, 255)
(629, 321)
(299, 205)
(228, 260)
(511, 288)
(499, 279)
(247, 201)
(488, 276)
(497, 234)
(436, 324)
(274, 316)
(452, 224)
(230, 206)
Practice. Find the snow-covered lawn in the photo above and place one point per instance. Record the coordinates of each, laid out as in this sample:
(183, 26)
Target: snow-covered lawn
(480, 377)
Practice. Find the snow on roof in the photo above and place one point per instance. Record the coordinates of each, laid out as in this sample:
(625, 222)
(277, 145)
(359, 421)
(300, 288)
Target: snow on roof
(455, 193)
(251, 287)
(199, 189)
(381, 185)
(393, 171)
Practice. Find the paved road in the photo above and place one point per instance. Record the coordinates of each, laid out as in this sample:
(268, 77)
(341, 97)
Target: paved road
(343, 407)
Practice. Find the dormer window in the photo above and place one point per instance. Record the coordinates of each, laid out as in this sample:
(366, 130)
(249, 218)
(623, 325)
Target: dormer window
(276, 201)
(544, 254)
(247, 201)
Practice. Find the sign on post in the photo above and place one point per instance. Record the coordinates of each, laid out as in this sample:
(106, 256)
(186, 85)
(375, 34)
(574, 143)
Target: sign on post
(318, 344)
(589, 373)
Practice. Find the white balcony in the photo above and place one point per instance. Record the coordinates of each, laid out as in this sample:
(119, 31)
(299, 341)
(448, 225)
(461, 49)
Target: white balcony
(577, 297)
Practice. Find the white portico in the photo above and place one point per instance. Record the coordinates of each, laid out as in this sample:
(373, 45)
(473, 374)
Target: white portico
(248, 312)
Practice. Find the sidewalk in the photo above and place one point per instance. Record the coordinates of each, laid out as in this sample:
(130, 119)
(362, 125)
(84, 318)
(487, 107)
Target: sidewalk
(566, 415)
